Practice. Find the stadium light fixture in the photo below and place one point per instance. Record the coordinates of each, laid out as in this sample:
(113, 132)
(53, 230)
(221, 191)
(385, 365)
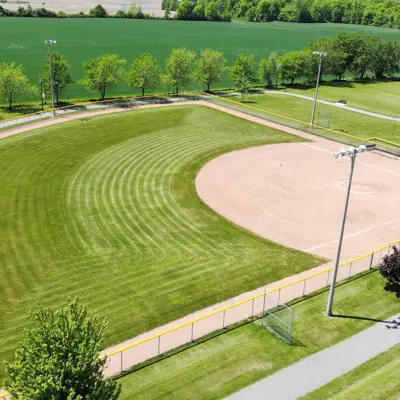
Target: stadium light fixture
(351, 152)
(321, 55)
(49, 44)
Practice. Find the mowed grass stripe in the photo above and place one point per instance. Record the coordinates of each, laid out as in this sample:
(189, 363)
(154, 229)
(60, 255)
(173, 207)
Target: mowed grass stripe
(119, 222)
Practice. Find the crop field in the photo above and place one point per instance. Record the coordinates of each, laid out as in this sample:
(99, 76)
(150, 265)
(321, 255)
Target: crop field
(106, 209)
(22, 41)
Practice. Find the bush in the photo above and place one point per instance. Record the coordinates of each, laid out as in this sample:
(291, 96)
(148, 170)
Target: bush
(390, 266)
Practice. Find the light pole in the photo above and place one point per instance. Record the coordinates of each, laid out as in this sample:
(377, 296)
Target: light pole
(351, 152)
(49, 43)
(321, 55)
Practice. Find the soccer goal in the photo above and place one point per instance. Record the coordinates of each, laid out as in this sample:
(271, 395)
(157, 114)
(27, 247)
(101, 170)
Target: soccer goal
(279, 320)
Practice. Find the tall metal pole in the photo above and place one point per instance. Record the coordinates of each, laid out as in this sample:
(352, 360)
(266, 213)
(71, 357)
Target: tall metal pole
(339, 250)
(41, 92)
(316, 92)
(51, 81)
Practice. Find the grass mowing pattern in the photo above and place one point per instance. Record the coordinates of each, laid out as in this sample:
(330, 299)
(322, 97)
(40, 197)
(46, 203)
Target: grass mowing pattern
(22, 41)
(106, 209)
(223, 365)
(376, 379)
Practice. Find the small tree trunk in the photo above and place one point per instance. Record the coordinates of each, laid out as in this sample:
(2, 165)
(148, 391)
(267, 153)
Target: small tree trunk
(208, 87)
(57, 98)
(242, 97)
(292, 81)
(142, 91)
(177, 90)
(10, 102)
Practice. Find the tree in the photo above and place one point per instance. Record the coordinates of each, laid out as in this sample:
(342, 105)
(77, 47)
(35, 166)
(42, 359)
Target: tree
(243, 74)
(60, 358)
(268, 69)
(179, 68)
(390, 266)
(13, 82)
(103, 73)
(210, 67)
(145, 73)
(185, 9)
(99, 12)
(295, 64)
(61, 74)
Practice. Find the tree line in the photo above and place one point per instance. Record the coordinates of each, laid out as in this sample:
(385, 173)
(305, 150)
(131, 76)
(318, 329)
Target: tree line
(360, 12)
(355, 53)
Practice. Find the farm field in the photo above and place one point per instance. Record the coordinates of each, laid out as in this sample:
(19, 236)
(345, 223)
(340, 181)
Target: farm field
(22, 41)
(360, 125)
(225, 364)
(375, 379)
(106, 209)
(379, 97)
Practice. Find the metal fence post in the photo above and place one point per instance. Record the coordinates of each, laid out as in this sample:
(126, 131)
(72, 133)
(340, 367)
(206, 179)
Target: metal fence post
(223, 320)
(327, 281)
(122, 368)
(351, 264)
(304, 287)
(192, 330)
(159, 345)
(263, 310)
(372, 258)
(252, 308)
(279, 296)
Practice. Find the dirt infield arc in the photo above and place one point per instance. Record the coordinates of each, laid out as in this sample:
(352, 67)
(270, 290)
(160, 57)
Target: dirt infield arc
(275, 187)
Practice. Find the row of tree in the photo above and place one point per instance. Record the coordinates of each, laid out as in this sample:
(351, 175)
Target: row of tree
(356, 53)
(365, 12)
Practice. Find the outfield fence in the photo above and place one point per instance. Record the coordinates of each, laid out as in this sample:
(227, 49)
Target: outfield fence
(253, 307)
(315, 129)
(136, 353)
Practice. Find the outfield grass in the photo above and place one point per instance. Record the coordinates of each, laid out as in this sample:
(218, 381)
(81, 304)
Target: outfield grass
(376, 379)
(378, 97)
(360, 125)
(106, 209)
(22, 40)
(224, 365)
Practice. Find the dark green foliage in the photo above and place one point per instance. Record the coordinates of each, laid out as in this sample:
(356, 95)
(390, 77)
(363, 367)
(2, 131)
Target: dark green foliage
(99, 11)
(390, 267)
(60, 358)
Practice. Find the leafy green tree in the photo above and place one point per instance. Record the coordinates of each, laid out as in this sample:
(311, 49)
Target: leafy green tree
(268, 69)
(268, 10)
(210, 67)
(185, 9)
(13, 82)
(296, 64)
(145, 73)
(212, 12)
(199, 12)
(179, 68)
(243, 74)
(385, 58)
(99, 12)
(103, 73)
(390, 266)
(60, 358)
(61, 74)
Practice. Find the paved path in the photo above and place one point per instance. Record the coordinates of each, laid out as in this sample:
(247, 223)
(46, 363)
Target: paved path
(321, 368)
(338, 105)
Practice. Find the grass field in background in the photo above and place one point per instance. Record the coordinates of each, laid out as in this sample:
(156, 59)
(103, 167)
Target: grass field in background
(378, 378)
(22, 41)
(106, 209)
(360, 125)
(223, 365)
(379, 97)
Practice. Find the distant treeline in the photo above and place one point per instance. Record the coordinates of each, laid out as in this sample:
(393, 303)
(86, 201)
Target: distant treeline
(356, 53)
(360, 12)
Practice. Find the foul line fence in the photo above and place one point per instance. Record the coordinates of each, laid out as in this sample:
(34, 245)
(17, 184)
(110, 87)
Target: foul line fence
(123, 359)
(383, 145)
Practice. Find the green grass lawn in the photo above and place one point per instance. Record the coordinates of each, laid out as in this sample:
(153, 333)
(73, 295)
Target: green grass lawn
(225, 364)
(22, 40)
(106, 209)
(360, 125)
(379, 97)
(376, 379)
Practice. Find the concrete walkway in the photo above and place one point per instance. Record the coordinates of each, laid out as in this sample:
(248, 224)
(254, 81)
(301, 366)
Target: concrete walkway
(321, 368)
(338, 105)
